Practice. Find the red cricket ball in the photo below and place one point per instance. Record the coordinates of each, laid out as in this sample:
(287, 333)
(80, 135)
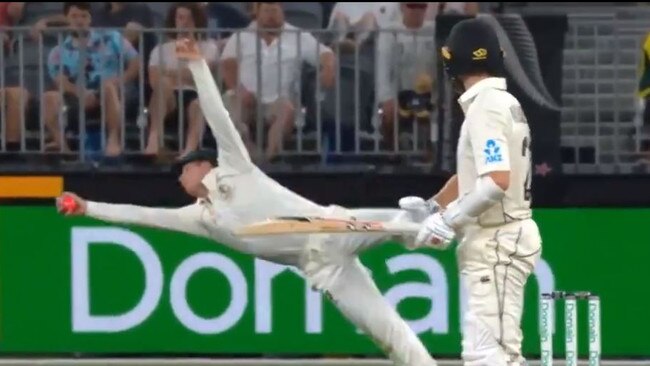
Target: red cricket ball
(68, 204)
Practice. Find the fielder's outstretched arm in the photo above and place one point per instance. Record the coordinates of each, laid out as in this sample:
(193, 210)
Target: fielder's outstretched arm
(232, 152)
(185, 219)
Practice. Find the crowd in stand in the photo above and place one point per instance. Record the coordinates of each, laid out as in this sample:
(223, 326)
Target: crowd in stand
(100, 61)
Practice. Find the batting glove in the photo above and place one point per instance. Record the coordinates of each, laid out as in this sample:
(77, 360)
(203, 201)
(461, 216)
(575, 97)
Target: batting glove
(418, 208)
(435, 233)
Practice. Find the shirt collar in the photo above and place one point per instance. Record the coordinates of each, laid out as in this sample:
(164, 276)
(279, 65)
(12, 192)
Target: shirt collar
(210, 183)
(210, 180)
(253, 26)
(92, 36)
(204, 201)
(468, 96)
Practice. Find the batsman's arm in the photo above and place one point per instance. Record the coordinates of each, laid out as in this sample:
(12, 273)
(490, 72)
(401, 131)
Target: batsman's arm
(488, 133)
(418, 209)
(231, 147)
(448, 193)
(185, 219)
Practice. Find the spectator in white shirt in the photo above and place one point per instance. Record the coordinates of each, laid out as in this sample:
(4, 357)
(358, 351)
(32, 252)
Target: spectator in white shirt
(406, 70)
(362, 17)
(282, 49)
(171, 79)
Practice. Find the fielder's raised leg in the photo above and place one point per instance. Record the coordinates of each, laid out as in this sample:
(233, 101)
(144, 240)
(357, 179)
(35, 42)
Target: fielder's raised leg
(486, 205)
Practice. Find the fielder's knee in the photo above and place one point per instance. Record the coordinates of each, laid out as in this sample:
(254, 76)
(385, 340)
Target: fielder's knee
(321, 264)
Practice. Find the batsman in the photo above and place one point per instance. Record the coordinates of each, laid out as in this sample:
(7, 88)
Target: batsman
(486, 205)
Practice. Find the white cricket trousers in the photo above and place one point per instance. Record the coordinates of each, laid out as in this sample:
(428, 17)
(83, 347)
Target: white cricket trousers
(495, 264)
(331, 264)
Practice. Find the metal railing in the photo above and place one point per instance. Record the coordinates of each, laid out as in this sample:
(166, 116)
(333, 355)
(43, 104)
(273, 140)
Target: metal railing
(347, 119)
(601, 59)
(344, 119)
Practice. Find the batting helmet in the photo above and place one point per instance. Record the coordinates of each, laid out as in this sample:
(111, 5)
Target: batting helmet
(472, 47)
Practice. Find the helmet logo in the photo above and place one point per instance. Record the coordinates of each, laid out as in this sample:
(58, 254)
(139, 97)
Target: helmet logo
(445, 53)
(479, 54)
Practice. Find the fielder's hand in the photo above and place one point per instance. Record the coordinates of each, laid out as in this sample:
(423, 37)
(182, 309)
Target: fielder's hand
(70, 204)
(418, 208)
(435, 233)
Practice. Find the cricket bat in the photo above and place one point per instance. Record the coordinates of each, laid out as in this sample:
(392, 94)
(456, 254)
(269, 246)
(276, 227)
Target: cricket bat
(315, 225)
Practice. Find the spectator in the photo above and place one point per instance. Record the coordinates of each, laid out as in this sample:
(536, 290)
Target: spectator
(5, 21)
(10, 96)
(228, 16)
(37, 15)
(171, 79)
(362, 17)
(453, 8)
(406, 61)
(100, 76)
(15, 102)
(239, 68)
(132, 17)
(251, 9)
(642, 117)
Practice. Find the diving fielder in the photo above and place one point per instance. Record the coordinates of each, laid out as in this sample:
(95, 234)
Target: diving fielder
(237, 193)
(486, 205)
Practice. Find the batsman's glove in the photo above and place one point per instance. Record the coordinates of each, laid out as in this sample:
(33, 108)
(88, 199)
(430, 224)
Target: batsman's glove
(435, 233)
(418, 208)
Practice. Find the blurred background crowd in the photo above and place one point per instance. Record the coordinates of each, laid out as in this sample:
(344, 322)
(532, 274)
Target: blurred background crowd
(306, 83)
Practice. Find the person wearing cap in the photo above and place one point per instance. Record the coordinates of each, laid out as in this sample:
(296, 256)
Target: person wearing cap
(232, 192)
(486, 205)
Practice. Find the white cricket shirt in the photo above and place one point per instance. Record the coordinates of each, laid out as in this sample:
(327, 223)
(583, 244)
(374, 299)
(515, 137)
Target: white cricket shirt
(495, 137)
(384, 12)
(279, 61)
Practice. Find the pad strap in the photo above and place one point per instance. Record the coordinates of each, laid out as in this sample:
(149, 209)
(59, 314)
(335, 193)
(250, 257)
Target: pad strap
(466, 209)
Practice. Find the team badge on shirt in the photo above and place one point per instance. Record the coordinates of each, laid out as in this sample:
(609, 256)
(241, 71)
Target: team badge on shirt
(492, 152)
(225, 191)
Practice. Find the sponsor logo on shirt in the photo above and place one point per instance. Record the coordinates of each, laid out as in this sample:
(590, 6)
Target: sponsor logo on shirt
(492, 152)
